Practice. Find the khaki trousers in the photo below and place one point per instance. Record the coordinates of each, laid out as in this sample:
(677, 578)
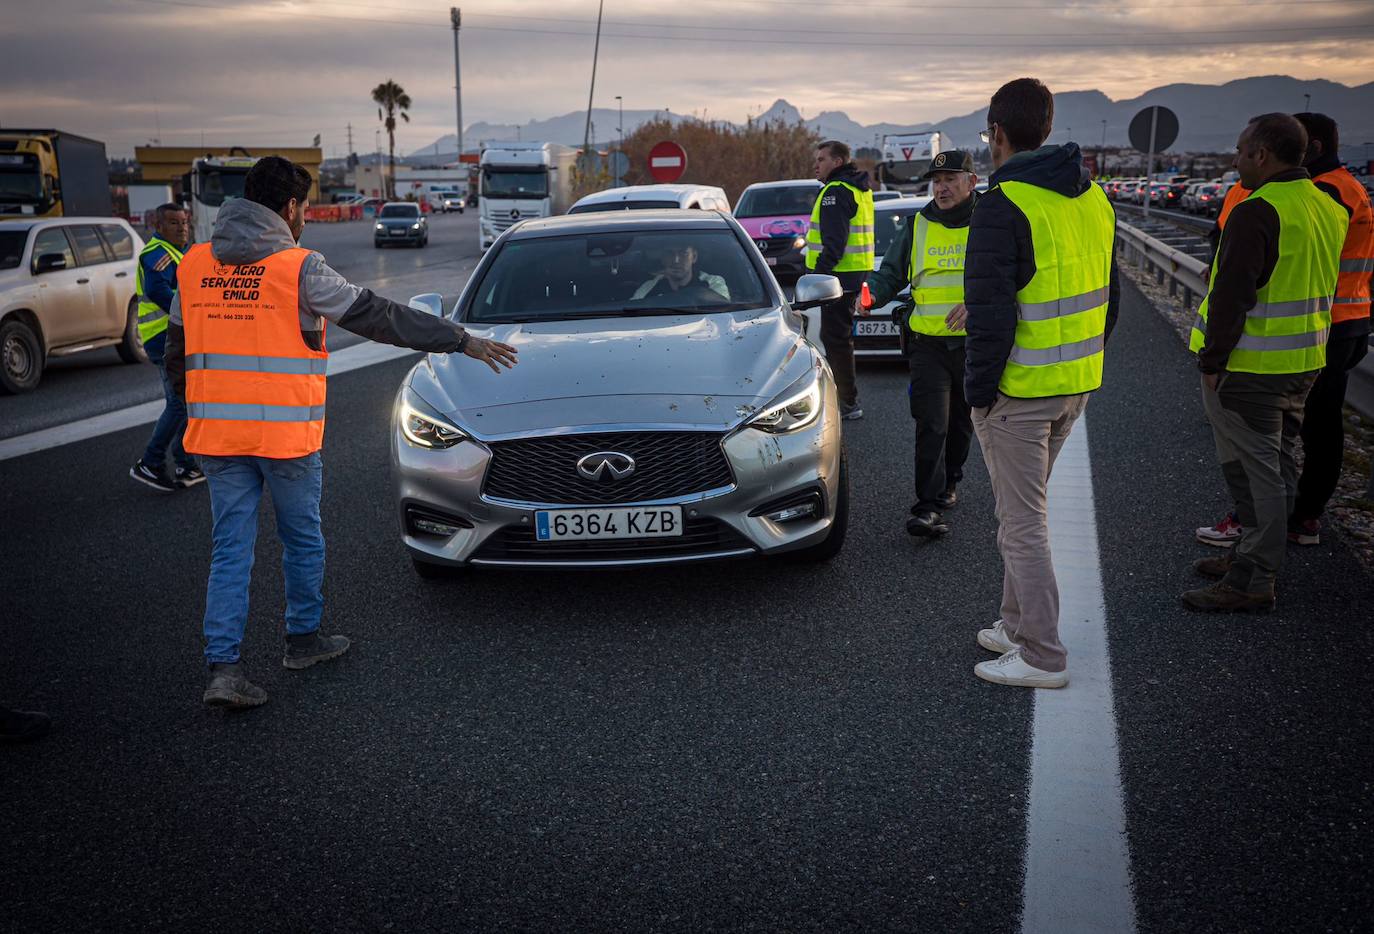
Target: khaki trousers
(1021, 439)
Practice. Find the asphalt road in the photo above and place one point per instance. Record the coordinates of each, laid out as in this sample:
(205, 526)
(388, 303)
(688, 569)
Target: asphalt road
(93, 383)
(746, 746)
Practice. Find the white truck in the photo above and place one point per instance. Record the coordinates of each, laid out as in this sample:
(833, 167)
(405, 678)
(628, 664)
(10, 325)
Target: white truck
(907, 156)
(522, 180)
(212, 181)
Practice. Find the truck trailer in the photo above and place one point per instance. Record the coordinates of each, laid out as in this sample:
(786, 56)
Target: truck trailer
(521, 180)
(51, 173)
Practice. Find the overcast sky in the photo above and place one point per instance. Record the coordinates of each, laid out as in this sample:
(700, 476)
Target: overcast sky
(253, 71)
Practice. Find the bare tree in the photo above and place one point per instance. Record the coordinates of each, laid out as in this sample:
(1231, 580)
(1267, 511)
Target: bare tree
(391, 99)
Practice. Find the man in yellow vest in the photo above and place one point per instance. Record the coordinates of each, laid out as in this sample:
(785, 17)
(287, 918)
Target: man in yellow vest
(839, 243)
(1041, 292)
(1260, 337)
(928, 256)
(246, 349)
(157, 283)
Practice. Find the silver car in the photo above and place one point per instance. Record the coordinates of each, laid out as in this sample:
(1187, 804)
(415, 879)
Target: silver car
(667, 406)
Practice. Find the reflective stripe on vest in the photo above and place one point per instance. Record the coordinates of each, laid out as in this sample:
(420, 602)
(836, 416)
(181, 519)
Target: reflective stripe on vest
(1062, 312)
(858, 248)
(936, 271)
(253, 386)
(152, 320)
(1287, 329)
(1357, 253)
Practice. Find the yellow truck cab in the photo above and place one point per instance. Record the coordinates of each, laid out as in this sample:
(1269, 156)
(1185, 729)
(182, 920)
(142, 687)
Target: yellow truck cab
(49, 173)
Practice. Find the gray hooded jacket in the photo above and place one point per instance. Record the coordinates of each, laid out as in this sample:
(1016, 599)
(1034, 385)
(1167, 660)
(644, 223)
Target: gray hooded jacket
(246, 232)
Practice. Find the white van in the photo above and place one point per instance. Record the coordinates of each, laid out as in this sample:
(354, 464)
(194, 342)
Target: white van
(441, 202)
(648, 197)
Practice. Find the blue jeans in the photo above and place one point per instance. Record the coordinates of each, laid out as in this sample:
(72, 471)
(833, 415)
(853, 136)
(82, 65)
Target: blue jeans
(236, 485)
(171, 425)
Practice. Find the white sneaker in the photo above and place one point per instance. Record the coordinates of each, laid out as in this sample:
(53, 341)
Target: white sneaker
(996, 639)
(1009, 669)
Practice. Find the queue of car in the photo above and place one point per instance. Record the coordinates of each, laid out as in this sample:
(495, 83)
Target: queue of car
(1179, 192)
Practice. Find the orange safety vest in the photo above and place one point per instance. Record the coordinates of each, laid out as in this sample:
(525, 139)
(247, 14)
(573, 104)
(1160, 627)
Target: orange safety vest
(253, 387)
(1234, 196)
(1357, 256)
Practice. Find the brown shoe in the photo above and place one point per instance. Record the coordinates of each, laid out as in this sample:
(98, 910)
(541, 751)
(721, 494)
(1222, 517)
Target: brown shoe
(1216, 566)
(1223, 598)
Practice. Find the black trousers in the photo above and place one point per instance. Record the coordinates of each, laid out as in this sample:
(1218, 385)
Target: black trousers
(1323, 427)
(837, 334)
(944, 424)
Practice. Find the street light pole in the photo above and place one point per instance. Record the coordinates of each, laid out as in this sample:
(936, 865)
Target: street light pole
(456, 17)
(620, 123)
(591, 93)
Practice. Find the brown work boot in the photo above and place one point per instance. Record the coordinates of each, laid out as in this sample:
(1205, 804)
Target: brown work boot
(1223, 598)
(1217, 566)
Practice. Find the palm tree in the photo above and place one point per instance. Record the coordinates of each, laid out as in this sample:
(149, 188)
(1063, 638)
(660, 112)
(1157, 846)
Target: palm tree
(390, 97)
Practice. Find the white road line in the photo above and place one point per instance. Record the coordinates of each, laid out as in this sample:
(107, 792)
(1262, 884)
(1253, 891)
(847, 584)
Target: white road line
(350, 358)
(1077, 862)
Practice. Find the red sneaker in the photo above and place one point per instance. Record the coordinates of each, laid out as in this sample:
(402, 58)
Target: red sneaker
(1224, 534)
(1304, 532)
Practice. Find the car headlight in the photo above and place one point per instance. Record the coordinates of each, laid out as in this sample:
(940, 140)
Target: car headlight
(381, 226)
(797, 407)
(423, 426)
(415, 226)
(799, 243)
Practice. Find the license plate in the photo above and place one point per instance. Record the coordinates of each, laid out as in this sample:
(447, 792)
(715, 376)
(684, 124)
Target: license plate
(398, 233)
(556, 525)
(771, 260)
(874, 328)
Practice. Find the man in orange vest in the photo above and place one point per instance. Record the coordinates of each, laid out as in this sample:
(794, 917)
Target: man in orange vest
(1323, 424)
(246, 349)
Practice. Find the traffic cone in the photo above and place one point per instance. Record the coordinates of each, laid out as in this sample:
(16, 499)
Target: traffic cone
(865, 298)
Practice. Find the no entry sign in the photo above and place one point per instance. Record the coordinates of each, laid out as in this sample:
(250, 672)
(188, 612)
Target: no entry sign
(667, 161)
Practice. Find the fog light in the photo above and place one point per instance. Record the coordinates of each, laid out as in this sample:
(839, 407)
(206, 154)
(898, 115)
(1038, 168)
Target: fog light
(430, 527)
(792, 513)
(424, 522)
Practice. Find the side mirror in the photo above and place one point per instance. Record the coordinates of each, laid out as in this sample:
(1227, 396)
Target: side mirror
(430, 302)
(49, 262)
(813, 290)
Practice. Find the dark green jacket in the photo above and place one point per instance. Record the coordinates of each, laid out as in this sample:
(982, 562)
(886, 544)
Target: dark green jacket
(894, 274)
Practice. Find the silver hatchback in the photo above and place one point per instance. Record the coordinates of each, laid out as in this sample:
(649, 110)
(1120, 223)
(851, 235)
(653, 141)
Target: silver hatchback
(667, 406)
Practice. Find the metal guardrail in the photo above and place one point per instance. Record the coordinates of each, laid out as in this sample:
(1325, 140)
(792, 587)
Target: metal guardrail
(1188, 275)
(1193, 223)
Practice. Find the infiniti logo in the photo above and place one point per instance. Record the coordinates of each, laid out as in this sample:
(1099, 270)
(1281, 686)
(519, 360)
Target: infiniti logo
(606, 466)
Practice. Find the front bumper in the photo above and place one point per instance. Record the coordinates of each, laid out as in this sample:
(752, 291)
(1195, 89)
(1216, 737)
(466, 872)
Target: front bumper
(767, 469)
(405, 234)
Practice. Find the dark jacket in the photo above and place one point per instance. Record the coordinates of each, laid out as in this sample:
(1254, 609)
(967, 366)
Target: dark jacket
(1001, 260)
(245, 232)
(894, 274)
(159, 286)
(837, 210)
(1246, 259)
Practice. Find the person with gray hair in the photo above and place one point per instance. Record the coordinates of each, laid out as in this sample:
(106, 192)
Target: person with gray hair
(157, 284)
(1260, 337)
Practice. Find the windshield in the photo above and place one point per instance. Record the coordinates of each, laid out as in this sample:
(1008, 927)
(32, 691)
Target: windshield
(783, 201)
(614, 275)
(513, 183)
(622, 206)
(218, 185)
(20, 179)
(888, 224)
(401, 210)
(12, 247)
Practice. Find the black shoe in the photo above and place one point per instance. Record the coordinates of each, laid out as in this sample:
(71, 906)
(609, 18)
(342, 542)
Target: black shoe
(189, 476)
(157, 481)
(229, 687)
(927, 524)
(23, 726)
(948, 499)
(305, 650)
(851, 413)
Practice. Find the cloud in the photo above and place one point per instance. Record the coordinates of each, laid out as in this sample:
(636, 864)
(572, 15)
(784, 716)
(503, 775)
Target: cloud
(246, 71)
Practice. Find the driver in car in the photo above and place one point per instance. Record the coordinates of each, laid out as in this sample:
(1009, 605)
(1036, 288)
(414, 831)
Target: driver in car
(678, 276)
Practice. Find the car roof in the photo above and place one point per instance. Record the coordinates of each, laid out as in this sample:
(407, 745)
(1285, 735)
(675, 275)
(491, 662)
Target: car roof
(26, 223)
(901, 204)
(404, 204)
(643, 192)
(786, 183)
(617, 221)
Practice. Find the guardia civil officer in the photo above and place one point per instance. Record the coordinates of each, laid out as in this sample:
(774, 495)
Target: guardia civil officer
(928, 255)
(246, 347)
(839, 243)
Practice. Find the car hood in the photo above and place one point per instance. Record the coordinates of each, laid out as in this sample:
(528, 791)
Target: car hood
(702, 371)
(400, 221)
(762, 227)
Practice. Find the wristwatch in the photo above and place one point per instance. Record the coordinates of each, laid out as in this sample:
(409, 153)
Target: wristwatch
(462, 342)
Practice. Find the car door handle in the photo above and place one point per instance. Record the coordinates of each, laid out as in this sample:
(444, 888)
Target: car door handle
(120, 275)
(82, 281)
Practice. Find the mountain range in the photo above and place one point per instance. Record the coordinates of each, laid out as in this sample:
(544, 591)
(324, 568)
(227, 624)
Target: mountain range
(1210, 117)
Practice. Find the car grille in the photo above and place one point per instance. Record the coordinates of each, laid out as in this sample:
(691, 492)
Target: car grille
(777, 246)
(884, 342)
(699, 537)
(667, 464)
